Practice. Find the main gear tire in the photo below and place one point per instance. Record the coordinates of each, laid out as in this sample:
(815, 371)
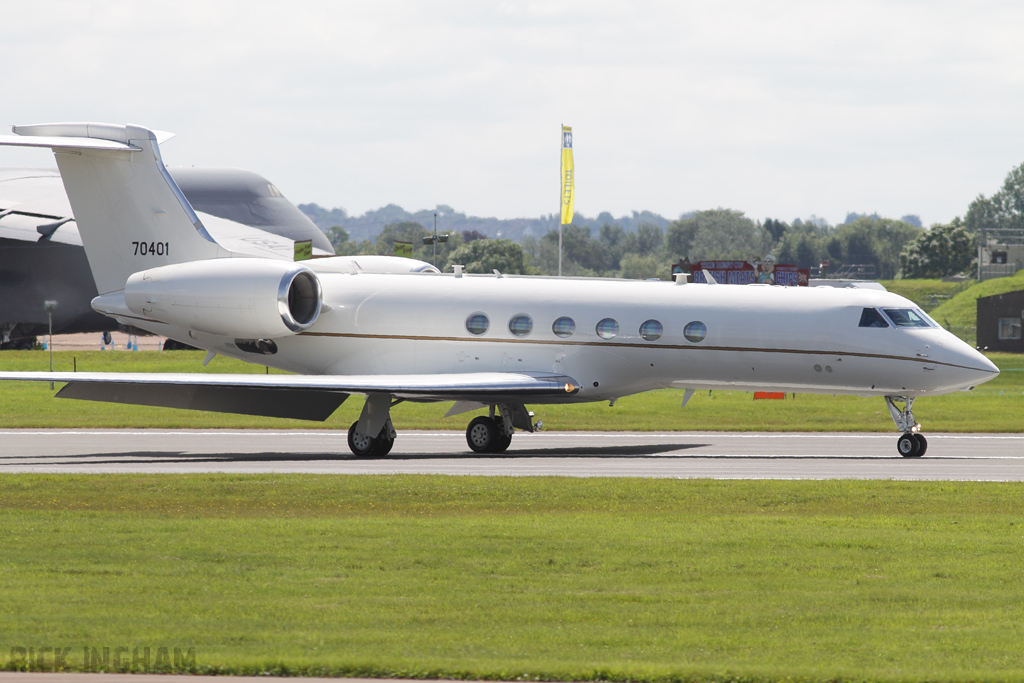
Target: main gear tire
(383, 445)
(482, 435)
(362, 446)
(502, 443)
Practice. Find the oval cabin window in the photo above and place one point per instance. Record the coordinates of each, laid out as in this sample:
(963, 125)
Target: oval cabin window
(520, 325)
(607, 329)
(651, 330)
(477, 323)
(695, 331)
(564, 327)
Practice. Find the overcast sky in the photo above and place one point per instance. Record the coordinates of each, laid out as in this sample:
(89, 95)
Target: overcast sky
(777, 109)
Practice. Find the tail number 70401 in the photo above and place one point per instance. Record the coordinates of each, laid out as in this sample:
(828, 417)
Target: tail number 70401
(151, 248)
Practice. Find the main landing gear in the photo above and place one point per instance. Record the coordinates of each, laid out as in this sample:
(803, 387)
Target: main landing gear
(486, 434)
(493, 433)
(373, 435)
(912, 443)
(362, 446)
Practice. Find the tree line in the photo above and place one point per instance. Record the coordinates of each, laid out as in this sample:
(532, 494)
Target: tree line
(884, 248)
(368, 225)
(724, 234)
(952, 248)
(650, 251)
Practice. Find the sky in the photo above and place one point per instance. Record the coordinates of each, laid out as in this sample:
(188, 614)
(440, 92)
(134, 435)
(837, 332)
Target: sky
(777, 109)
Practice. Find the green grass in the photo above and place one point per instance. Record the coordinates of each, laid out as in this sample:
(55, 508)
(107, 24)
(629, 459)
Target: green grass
(503, 578)
(960, 314)
(924, 291)
(997, 406)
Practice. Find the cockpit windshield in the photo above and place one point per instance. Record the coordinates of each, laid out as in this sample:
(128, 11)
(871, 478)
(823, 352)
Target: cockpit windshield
(870, 317)
(907, 317)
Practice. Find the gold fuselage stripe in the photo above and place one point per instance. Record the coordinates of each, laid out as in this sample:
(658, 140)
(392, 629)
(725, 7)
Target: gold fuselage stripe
(636, 345)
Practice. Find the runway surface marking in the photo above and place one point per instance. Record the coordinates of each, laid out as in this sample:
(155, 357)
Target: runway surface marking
(718, 455)
(334, 435)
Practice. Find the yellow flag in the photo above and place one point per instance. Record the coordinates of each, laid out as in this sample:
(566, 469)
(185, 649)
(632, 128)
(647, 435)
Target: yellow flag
(568, 176)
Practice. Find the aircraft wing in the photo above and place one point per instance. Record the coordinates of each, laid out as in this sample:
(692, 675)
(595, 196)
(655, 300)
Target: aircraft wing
(34, 207)
(306, 397)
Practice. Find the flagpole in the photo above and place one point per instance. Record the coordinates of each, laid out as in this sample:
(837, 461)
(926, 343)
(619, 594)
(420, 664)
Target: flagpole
(559, 248)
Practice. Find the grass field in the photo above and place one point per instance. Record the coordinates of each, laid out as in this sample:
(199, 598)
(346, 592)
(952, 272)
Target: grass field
(926, 293)
(960, 314)
(997, 406)
(528, 578)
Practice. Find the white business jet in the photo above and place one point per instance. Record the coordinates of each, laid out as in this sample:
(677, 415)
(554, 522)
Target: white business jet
(397, 330)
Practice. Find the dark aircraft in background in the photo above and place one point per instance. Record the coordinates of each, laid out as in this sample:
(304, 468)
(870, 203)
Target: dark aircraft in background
(42, 259)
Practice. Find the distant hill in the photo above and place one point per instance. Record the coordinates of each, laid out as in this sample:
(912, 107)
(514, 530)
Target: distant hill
(369, 224)
(911, 218)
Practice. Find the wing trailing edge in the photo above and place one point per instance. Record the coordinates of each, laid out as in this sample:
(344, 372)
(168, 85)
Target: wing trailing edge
(307, 397)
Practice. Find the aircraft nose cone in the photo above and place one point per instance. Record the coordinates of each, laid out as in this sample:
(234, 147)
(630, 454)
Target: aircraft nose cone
(989, 366)
(977, 366)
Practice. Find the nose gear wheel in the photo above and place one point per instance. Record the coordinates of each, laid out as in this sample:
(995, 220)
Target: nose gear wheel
(912, 443)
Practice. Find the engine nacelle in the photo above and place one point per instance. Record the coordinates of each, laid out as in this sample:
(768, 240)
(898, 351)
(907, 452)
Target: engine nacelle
(230, 297)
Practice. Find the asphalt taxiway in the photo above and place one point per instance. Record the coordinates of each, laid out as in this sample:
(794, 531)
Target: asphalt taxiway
(718, 455)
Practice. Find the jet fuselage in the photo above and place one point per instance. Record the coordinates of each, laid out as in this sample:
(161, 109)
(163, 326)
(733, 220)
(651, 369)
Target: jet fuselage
(620, 337)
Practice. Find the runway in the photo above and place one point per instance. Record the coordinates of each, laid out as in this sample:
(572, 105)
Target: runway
(717, 455)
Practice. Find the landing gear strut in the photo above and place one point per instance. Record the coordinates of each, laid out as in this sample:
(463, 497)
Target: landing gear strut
(912, 443)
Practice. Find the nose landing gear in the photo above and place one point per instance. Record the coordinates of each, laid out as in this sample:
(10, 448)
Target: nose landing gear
(912, 443)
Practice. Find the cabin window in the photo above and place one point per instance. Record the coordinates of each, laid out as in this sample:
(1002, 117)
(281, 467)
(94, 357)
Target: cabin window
(477, 323)
(870, 317)
(564, 327)
(520, 325)
(607, 329)
(651, 330)
(1009, 328)
(695, 331)
(907, 317)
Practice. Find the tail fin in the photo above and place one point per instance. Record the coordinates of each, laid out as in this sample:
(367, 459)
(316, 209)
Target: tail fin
(130, 213)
